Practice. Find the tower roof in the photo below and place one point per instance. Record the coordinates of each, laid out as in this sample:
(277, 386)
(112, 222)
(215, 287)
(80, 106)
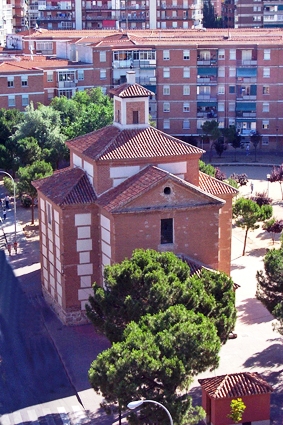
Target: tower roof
(131, 90)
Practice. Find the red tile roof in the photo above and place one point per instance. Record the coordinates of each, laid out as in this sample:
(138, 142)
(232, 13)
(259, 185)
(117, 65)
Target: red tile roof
(131, 90)
(235, 385)
(216, 187)
(67, 187)
(116, 199)
(111, 143)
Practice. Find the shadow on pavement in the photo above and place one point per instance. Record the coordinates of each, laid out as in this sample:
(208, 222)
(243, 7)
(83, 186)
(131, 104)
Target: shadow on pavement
(272, 356)
(250, 311)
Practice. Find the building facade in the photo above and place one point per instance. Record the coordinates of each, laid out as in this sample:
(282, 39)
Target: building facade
(129, 186)
(231, 76)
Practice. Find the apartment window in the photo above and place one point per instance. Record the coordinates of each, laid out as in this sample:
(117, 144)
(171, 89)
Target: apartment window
(186, 107)
(186, 90)
(49, 76)
(24, 99)
(135, 117)
(166, 124)
(265, 89)
(186, 124)
(11, 101)
(166, 230)
(221, 71)
(257, 8)
(265, 140)
(266, 54)
(174, 24)
(232, 71)
(265, 107)
(42, 45)
(49, 213)
(265, 125)
(221, 106)
(166, 107)
(221, 89)
(231, 106)
(24, 79)
(103, 74)
(266, 72)
(220, 124)
(102, 56)
(256, 18)
(166, 90)
(50, 94)
(186, 72)
(10, 81)
(186, 54)
(166, 55)
(232, 54)
(232, 89)
(166, 72)
(221, 54)
(81, 74)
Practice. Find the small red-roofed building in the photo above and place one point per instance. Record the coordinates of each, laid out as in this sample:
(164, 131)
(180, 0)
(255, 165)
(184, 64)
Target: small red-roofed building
(129, 185)
(219, 391)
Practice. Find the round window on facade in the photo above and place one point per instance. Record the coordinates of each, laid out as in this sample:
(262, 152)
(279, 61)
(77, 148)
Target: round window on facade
(167, 190)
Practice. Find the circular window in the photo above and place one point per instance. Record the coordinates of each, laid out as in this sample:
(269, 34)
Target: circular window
(167, 190)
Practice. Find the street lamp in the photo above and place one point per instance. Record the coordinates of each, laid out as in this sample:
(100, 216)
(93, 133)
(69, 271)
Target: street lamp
(138, 403)
(268, 180)
(15, 204)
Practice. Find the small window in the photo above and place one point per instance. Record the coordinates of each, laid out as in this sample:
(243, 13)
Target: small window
(221, 89)
(231, 106)
(167, 190)
(265, 107)
(135, 117)
(166, 107)
(166, 90)
(166, 72)
(231, 89)
(265, 141)
(81, 75)
(186, 124)
(24, 79)
(232, 71)
(186, 90)
(265, 124)
(25, 99)
(166, 230)
(221, 54)
(103, 74)
(266, 54)
(186, 54)
(266, 72)
(49, 213)
(10, 81)
(49, 76)
(186, 107)
(102, 56)
(232, 54)
(166, 124)
(11, 101)
(166, 55)
(221, 71)
(221, 106)
(186, 72)
(265, 89)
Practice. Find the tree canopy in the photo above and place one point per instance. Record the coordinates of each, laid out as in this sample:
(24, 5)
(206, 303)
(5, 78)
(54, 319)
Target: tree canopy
(248, 214)
(157, 357)
(270, 285)
(151, 281)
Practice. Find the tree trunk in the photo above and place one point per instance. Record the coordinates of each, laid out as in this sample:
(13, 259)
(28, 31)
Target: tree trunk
(245, 241)
(32, 210)
(120, 417)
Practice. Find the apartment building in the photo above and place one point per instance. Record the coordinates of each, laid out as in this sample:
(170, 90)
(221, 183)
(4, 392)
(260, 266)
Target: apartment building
(258, 14)
(5, 20)
(232, 76)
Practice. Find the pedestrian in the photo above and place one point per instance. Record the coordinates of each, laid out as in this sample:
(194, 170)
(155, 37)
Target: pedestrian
(247, 149)
(4, 214)
(252, 187)
(7, 200)
(16, 247)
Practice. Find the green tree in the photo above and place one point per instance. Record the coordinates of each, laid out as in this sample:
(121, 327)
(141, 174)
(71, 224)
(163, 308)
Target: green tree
(156, 358)
(248, 214)
(211, 130)
(152, 281)
(255, 140)
(233, 138)
(209, 15)
(44, 125)
(270, 285)
(206, 168)
(9, 119)
(237, 409)
(27, 175)
(273, 226)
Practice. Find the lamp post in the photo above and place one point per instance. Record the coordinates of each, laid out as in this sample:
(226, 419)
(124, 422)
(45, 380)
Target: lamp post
(15, 203)
(138, 403)
(268, 180)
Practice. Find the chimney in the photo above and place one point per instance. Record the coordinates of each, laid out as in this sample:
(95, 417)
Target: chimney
(131, 77)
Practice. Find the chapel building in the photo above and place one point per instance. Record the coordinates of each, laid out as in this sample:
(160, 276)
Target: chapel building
(128, 186)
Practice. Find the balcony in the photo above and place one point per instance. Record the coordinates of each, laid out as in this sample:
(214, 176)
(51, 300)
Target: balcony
(55, 18)
(246, 114)
(247, 62)
(206, 97)
(66, 84)
(207, 62)
(132, 64)
(208, 79)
